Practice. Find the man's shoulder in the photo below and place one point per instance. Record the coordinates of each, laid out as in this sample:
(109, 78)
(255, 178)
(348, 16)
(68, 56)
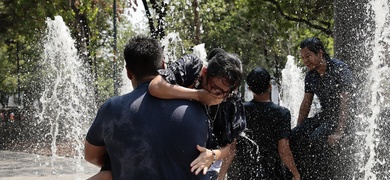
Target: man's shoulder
(190, 60)
(282, 110)
(174, 104)
(249, 105)
(278, 109)
(338, 63)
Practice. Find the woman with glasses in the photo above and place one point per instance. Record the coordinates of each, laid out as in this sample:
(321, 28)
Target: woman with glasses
(216, 87)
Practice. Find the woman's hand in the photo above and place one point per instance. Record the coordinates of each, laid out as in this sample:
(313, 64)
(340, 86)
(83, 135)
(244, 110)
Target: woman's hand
(203, 161)
(207, 98)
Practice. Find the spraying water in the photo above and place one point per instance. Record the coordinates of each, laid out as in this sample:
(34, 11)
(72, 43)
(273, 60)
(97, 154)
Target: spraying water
(292, 88)
(377, 87)
(66, 105)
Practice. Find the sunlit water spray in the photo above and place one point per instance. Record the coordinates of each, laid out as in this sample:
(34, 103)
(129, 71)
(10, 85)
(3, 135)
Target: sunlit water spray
(376, 165)
(293, 89)
(66, 106)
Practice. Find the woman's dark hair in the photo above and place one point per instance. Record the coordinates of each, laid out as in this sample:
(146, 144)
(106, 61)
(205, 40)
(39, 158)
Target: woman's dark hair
(226, 66)
(214, 52)
(258, 80)
(314, 45)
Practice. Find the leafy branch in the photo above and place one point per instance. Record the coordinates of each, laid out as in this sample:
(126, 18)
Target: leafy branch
(325, 29)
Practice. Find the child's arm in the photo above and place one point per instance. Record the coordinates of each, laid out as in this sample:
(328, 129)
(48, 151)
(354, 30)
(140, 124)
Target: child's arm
(287, 157)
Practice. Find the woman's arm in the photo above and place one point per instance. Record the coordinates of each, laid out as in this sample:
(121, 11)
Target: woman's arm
(160, 88)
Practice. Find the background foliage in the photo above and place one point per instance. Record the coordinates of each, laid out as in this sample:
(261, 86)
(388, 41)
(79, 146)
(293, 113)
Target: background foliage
(261, 32)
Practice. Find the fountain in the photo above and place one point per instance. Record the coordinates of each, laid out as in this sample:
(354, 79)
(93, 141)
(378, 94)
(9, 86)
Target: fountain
(63, 113)
(67, 106)
(67, 102)
(293, 90)
(364, 153)
(366, 157)
(374, 160)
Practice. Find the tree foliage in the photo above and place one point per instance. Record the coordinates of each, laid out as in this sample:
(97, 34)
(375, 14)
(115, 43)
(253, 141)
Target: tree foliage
(261, 32)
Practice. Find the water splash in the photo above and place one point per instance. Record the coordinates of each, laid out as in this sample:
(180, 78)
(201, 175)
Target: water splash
(200, 51)
(173, 47)
(67, 105)
(292, 88)
(377, 85)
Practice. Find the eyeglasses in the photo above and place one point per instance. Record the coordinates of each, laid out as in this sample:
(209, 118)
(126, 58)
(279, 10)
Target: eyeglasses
(218, 91)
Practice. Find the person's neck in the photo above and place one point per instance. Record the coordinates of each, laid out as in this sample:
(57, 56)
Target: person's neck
(322, 68)
(137, 82)
(265, 97)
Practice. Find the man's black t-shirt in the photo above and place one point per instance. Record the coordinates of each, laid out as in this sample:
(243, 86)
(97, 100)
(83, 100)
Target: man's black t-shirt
(337, 79)
(267, 123)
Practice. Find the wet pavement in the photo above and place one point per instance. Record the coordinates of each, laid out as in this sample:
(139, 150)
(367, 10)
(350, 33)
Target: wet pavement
(17, 165)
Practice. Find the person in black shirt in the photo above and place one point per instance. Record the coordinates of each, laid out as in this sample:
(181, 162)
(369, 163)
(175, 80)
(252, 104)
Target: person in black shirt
(331, 81)
(268, 128)
(187, 78)
(146, 137)
(216, 88)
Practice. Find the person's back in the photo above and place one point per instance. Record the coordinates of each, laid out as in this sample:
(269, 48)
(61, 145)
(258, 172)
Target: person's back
(267, 123)
(151, 138)
(267, 134)
(138, 136)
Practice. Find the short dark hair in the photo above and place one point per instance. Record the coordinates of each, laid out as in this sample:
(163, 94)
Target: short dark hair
(214, 52)
(226, 66)
(258, 80)
(314, 45)
(143, 56)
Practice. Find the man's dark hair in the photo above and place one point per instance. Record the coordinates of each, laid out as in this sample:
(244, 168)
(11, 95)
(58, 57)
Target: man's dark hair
(226, 66)
(143, 56)
(258, 80)
(314, 45)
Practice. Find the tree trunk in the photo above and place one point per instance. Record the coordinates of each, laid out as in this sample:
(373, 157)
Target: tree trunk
(159, 31)
(195, 7)
(82, 34)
